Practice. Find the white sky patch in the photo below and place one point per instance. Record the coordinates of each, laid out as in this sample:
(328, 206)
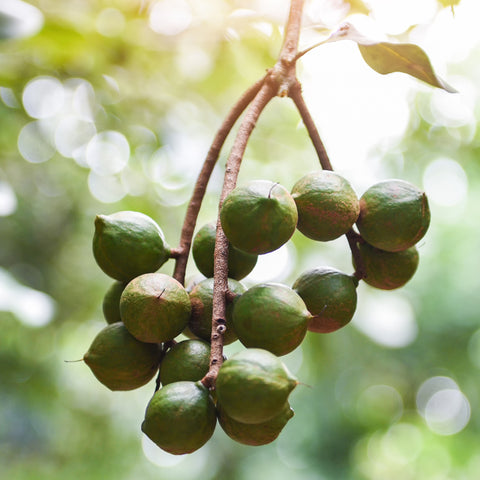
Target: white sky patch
(451, 38)
(273, 266)
(358, 110)
(453, 110)
(387, 319)
(170, 17)
(354, 107)
(396, 16)
(31, 307)
(8, 199)
(445, 182)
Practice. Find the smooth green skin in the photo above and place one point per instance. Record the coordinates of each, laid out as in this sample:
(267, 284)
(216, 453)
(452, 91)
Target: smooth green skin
(327, 205)
(127, 244)
(240, 264)
(388, 270)
(201, 298)
(253, 386)
(111, 302)
(271, 316)
(394, 215)
(330, 296)
(180, 417)
(187, 360)
(254, 434)
(119, 360)
(259, 217)
(155, 307)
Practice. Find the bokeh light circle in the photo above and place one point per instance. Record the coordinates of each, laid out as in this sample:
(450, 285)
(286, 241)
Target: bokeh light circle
(8, 199)
(445, 182)
(387, 318)
(447, 412)
(43, 97)
(170, 17)
(34, 143)
(108, 152)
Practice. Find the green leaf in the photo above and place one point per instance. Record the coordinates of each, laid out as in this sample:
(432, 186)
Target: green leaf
(385, 57)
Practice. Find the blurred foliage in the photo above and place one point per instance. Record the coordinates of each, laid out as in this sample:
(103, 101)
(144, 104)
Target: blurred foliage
(161, 85)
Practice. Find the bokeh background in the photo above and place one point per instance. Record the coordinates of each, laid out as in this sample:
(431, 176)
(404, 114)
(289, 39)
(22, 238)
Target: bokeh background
(110, 105)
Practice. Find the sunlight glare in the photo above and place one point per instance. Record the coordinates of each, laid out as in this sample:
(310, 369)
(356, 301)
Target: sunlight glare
(445, 182)
(31, 307)
(8, 199)
(396, 16)
(170, 17)
(387, 319)
(273, 266)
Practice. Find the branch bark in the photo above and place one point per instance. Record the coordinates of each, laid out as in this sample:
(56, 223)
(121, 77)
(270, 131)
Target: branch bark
(278, 82)
(352, 237)
(297, 97)
(181, 253)
(220, 275)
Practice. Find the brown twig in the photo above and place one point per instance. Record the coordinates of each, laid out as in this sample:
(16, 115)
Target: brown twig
(165, 347)
(353, 237)
(278, 82)
(220, 284)
(181, 253)
(297, 97)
